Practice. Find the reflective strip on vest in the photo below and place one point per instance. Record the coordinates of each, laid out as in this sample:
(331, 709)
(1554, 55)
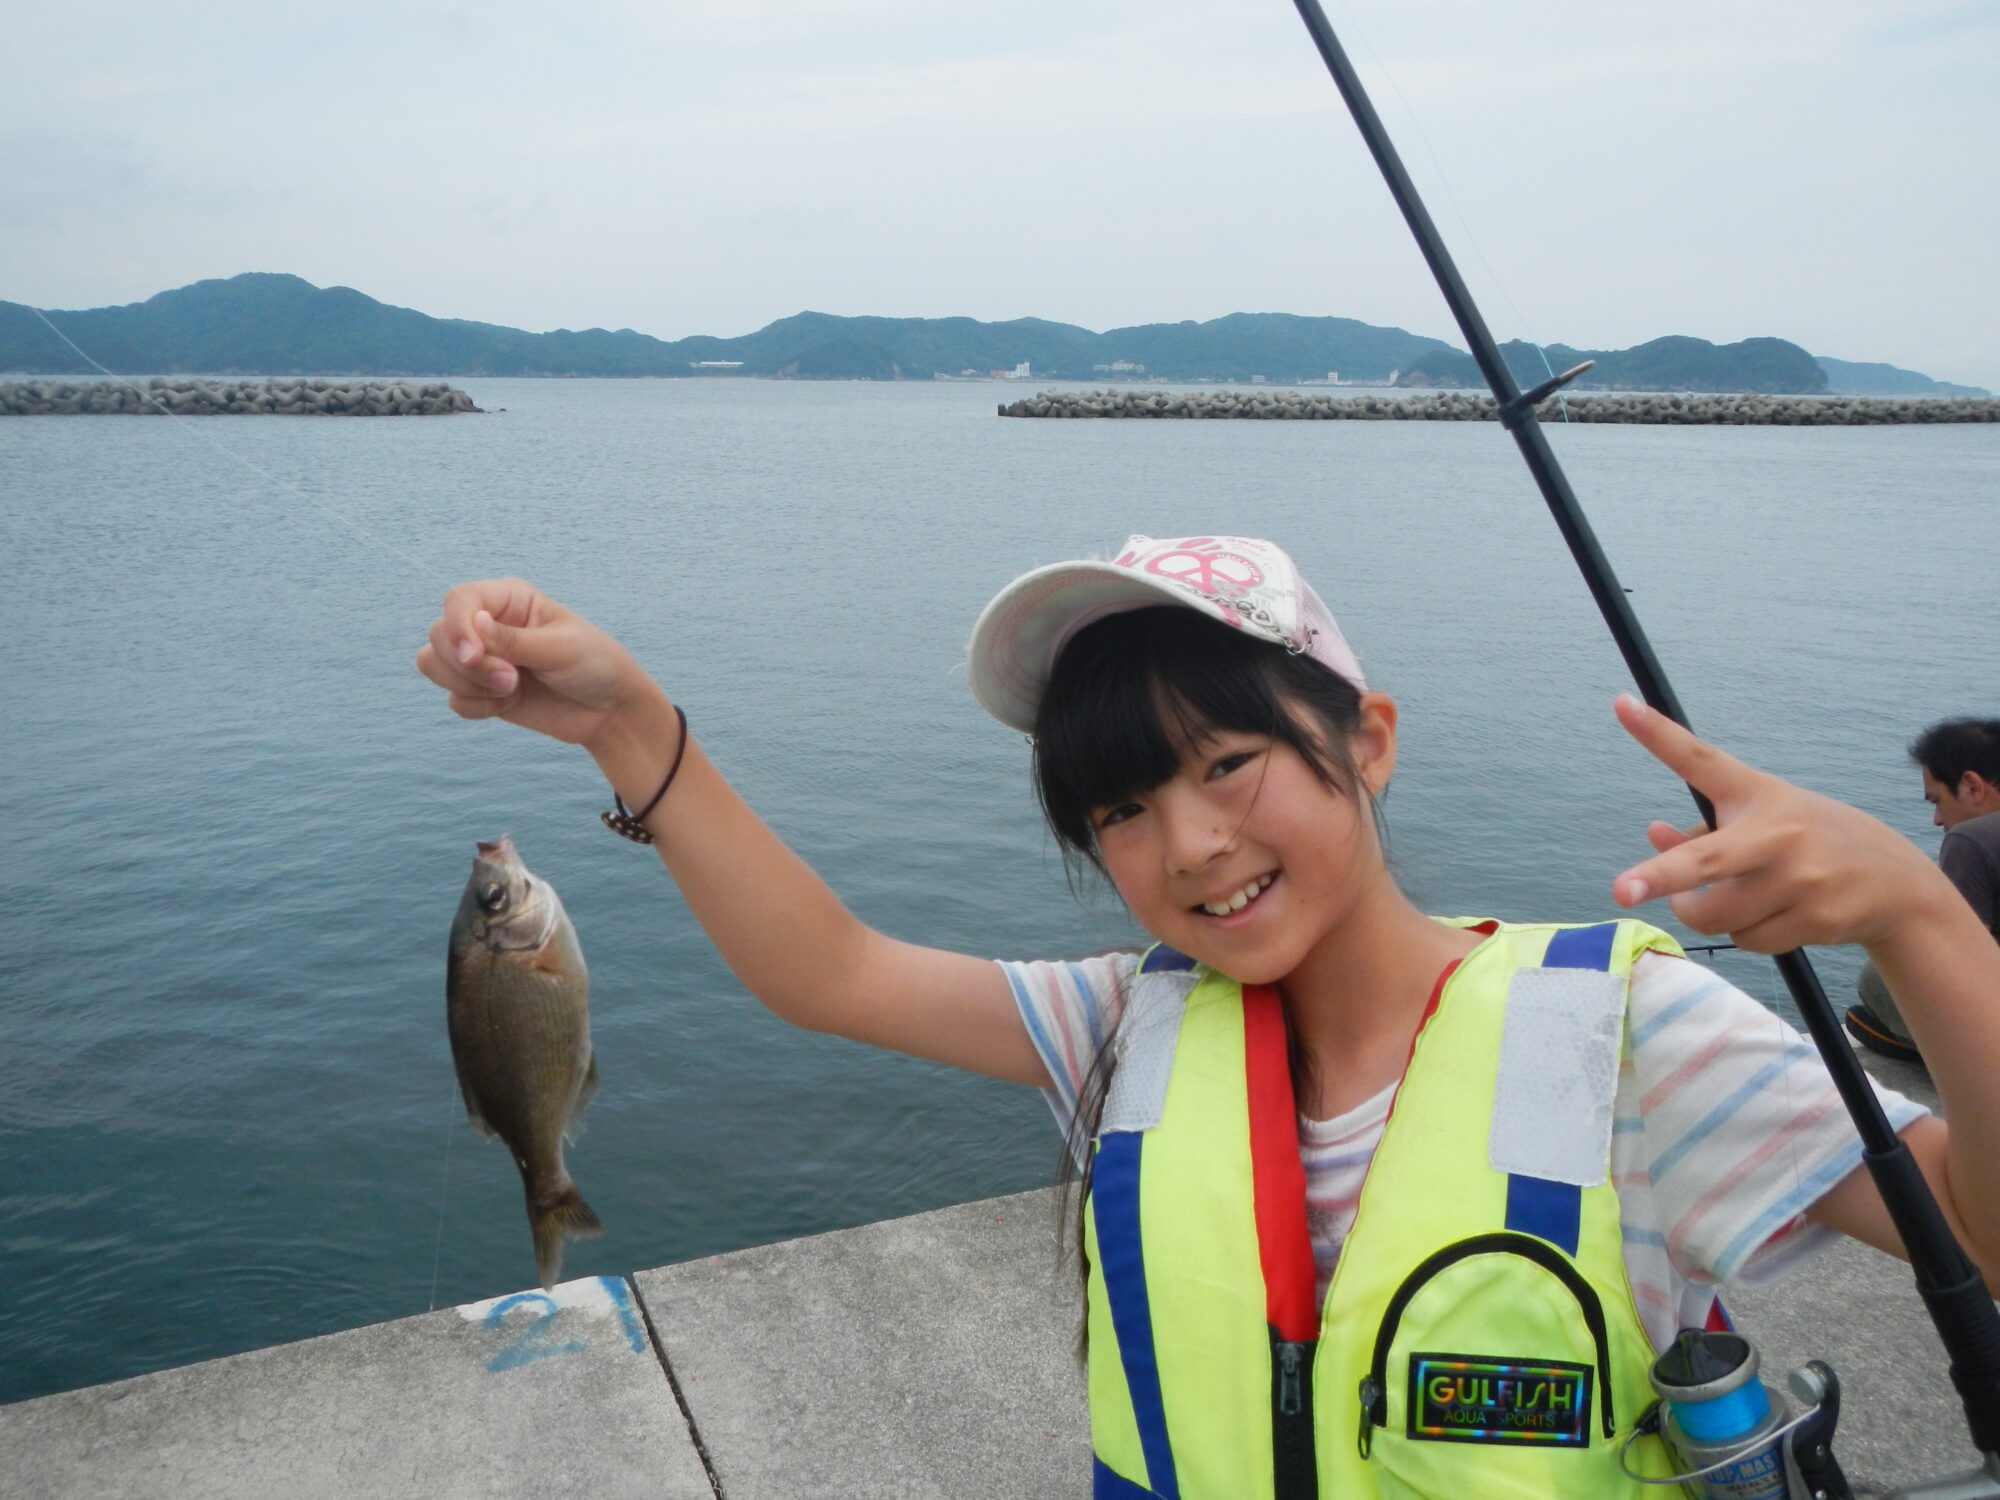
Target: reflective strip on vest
(1554, 1210)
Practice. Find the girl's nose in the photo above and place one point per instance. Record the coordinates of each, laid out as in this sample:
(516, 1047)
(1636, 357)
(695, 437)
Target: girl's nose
(1195, 836)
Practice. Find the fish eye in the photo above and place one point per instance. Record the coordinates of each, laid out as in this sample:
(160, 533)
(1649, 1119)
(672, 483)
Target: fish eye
(494, 896)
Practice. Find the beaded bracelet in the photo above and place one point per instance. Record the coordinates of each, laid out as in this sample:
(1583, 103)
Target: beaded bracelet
(629, 825)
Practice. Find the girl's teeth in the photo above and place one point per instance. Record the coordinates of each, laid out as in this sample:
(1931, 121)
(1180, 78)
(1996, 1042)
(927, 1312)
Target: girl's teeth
(1239, 900)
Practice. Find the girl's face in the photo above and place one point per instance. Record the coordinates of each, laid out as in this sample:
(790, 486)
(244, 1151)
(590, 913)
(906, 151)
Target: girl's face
(1244, 859)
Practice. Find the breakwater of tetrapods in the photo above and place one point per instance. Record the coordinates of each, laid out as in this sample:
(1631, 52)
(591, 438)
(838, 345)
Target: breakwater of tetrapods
(1455, 406)
(190, 397)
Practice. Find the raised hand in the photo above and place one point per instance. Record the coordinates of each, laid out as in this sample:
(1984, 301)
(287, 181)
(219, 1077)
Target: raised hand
(1784, 868)
(505, 650)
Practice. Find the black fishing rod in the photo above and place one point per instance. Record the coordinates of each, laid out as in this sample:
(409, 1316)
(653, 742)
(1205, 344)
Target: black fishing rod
(1951, 1287)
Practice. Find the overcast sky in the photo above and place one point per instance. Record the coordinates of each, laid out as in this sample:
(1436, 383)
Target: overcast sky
(1819, 170)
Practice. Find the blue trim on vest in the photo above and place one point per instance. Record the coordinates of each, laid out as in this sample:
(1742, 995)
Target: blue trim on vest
(1553, 1211)
(1108, 1484)
(1114, 1189)
(1162, 959)
(1581, 947)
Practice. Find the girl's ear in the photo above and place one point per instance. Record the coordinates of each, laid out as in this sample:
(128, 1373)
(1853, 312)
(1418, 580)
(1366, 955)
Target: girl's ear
(1374, 742)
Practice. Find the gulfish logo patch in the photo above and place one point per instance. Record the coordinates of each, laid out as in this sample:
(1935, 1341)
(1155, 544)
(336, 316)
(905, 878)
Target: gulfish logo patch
(1468, 1398)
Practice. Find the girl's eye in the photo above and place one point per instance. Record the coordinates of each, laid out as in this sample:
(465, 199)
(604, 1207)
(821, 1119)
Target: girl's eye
(1118, 814)
(1230, 763)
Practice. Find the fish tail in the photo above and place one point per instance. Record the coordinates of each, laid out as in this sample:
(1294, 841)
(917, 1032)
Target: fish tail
(566, 1216)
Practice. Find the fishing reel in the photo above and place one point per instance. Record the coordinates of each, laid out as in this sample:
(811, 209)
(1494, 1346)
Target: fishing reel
(1730, 1436)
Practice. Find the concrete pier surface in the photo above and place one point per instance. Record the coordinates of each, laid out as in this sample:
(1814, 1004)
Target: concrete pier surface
(927, 1356)
(931, 1356)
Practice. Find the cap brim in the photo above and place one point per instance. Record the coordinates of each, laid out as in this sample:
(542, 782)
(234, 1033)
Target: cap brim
(1018, 636)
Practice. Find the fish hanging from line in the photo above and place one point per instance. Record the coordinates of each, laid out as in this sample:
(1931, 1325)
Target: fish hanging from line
(517, 1004)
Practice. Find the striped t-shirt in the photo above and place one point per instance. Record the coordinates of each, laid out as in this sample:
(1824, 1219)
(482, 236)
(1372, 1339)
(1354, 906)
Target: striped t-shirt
(1726, 1130)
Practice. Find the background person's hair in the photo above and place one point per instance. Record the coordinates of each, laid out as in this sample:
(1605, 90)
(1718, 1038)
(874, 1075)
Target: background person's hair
(1949, 749)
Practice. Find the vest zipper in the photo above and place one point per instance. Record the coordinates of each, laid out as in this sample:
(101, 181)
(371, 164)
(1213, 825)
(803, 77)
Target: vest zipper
(1295, 1466)
(1374, 1385)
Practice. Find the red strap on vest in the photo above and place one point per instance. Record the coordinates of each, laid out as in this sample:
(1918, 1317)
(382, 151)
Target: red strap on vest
(1284, 1244)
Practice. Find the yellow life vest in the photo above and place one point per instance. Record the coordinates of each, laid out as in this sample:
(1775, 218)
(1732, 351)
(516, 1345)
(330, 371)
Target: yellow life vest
(1479, 1337)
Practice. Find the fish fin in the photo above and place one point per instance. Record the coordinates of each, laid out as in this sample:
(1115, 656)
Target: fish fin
(584, 1092)
(569, 1217)
(472, 1112)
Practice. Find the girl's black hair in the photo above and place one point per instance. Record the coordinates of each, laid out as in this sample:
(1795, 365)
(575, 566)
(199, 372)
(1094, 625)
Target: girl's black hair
(1130, 694)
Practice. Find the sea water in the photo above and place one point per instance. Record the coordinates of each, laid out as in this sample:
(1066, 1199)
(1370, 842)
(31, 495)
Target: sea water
(235, 821)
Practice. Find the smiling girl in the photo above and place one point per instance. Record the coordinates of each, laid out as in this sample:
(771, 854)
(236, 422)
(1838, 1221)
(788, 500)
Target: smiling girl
(1374, 1203)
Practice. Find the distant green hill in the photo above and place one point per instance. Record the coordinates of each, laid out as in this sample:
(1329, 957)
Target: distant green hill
(1845, 378)
(265, 324)
(1675, 363)
(280, 325)
(1278, 346)
(258, 324)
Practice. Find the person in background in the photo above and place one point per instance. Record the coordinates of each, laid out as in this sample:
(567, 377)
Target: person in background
(1960, 762)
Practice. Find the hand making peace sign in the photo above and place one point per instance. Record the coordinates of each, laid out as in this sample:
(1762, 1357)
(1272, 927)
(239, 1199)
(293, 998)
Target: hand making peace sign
(1784, 868)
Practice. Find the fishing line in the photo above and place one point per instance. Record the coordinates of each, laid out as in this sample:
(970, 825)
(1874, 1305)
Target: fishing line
(431, 571)
(444, 1191)
(1353, 23)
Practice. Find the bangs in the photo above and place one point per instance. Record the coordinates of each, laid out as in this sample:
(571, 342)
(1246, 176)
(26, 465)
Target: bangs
(1134, 692)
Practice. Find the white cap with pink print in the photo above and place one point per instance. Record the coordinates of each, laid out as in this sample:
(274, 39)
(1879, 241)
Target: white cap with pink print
(1249, 584)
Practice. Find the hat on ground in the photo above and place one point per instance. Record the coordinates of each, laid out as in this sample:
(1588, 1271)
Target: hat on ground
(1249, 584)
